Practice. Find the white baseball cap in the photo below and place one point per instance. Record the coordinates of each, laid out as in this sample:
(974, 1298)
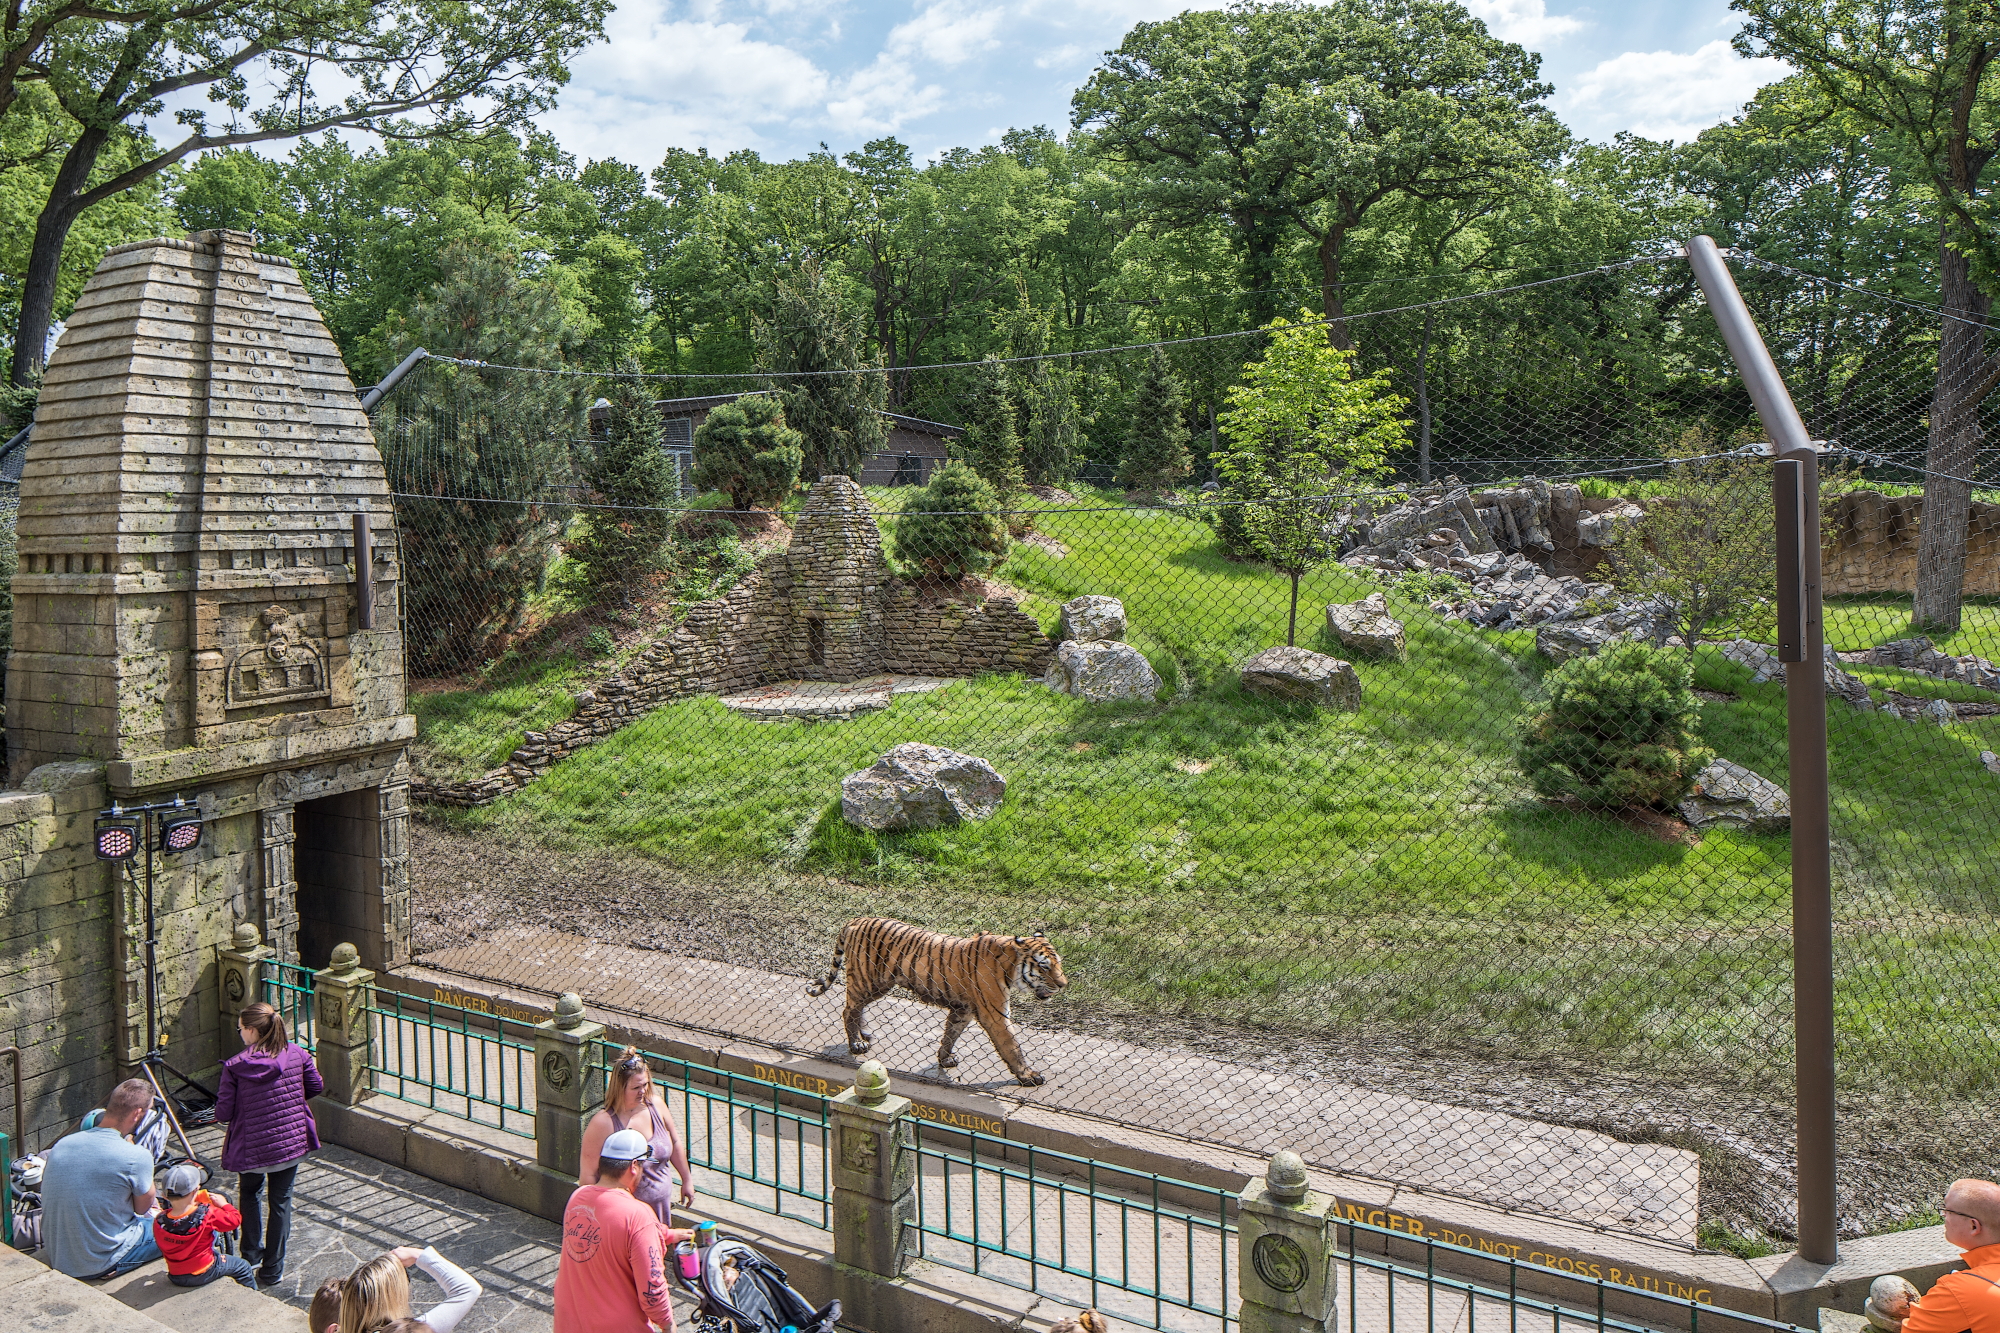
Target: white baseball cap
(626, 1145)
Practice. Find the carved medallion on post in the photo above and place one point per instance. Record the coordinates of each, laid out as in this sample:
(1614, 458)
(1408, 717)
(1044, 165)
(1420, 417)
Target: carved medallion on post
(342, 995)
(1285, 1251)
(564, 1046)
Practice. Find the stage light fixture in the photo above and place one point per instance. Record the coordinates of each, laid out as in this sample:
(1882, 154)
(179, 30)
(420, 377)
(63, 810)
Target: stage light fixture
(180, 833)
(116, 837)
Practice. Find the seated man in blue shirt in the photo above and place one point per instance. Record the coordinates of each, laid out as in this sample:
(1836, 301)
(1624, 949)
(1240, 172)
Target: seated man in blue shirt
(97, 1192)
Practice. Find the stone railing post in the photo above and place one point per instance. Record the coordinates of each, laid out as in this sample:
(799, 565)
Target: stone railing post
(343, 995)
(563, 1049)
(240, 981)
(1285, 1252)
(874, 1173)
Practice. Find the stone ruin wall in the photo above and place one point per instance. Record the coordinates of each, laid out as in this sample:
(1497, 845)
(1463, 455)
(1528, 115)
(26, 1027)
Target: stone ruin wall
(832, 573)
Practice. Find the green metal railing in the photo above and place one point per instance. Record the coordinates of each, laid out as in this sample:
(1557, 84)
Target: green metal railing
(1378, 1292)
(767, 1141)
(477, 1066)
(1146, 1249)
(288, 988)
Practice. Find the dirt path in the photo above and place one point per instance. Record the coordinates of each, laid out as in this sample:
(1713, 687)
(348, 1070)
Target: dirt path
(1896, 1156)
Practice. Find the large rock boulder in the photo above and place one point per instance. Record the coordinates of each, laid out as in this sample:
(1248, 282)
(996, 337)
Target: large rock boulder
(918, 786)
(1092, 617)
(1765, 666)
(1299, 675)
(1731, 795)
(1101, 670)
(1366, 626)
(1605, 528)
(1567, 640)
(1991, 761)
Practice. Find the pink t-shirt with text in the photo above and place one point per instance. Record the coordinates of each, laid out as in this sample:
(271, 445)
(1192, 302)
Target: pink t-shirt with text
(613, 1273)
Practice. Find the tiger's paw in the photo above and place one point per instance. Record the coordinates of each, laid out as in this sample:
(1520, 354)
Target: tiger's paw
(858, 1047)
(947, 1062)
(1030, 1079)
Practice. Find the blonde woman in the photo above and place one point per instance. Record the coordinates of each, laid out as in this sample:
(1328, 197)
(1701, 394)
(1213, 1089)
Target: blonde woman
(631, 1101)
(376, 1296)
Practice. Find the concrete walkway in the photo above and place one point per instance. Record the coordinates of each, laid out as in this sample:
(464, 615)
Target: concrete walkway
(348, 1208)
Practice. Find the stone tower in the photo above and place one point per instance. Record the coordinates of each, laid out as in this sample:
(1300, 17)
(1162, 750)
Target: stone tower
(185, 624)
(822, 617)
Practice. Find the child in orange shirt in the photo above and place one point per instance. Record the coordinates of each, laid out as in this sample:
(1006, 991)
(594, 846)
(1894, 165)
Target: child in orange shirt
(186, 1232)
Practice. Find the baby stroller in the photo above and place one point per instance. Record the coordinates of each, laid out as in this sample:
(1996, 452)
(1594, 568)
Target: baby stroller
(740, 1291)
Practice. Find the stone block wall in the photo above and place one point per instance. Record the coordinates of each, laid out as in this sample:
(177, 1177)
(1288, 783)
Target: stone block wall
(961, 639)
(1873, 545)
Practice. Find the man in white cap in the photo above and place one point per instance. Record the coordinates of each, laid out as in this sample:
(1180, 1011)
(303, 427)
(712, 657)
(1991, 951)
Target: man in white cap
(613, 1274)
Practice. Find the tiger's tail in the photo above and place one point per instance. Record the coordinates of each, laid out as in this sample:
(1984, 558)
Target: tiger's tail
(825, 984)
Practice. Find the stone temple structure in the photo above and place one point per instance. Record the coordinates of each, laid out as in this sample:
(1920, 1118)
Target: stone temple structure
(185, 623)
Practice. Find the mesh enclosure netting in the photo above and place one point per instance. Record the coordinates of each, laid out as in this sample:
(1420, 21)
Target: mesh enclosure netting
(1480, 884)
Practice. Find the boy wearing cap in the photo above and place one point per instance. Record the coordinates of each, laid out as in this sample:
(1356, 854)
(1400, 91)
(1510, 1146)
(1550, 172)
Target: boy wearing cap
(612, 1277)
(186, 1233)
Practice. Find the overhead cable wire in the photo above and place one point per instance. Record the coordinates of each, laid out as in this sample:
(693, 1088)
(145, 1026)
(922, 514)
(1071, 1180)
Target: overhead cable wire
(1059, 356)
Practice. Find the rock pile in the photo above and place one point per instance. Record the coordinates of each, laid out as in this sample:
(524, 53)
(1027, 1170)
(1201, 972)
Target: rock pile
(1918, 654)
(1731, 794)
(1765, 666)
(1299, 675)
(1091, 663)
(1366, 626)
(918, 786)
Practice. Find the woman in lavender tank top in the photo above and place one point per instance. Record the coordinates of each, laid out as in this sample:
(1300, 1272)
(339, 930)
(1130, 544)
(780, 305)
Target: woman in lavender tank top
(631, 1101)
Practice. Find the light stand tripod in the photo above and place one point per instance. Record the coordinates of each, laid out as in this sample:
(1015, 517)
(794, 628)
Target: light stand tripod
(122, 832)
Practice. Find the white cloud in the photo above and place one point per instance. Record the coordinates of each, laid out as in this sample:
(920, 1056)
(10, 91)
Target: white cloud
(1525, 21)
(1062, 55)
(946, 33)
(1666, 94)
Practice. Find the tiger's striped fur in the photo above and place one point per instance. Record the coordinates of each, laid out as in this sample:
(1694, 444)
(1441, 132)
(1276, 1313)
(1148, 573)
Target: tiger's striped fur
(969, 978)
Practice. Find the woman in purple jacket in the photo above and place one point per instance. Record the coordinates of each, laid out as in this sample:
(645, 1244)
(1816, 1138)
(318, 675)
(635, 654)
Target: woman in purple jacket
(263, 1102)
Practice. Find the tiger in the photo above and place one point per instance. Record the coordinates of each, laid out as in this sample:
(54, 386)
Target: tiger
(969, 978)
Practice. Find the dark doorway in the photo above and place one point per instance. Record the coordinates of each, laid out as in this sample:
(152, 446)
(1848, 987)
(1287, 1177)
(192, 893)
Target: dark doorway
(816, 642)
(337, 864)
(909, 471)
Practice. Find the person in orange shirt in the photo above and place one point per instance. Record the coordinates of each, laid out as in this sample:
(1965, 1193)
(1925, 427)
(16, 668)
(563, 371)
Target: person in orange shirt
(1966, 1301)
(612, 1277)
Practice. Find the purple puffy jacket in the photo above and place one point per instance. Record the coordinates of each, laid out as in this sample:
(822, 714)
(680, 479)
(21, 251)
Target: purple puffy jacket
(263, 1101)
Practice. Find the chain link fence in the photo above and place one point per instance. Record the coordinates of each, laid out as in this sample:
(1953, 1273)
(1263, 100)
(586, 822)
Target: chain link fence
(1480, 887)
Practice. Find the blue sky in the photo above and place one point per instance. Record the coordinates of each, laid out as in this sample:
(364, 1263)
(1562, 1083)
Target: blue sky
(782, 76)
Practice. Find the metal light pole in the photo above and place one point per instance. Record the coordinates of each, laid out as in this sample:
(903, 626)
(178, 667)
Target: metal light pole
(1802, 647)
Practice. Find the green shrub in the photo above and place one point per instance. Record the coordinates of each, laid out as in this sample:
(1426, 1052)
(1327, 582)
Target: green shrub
(1618, 730)
(631, 482)
(746, 449)
(949, 528)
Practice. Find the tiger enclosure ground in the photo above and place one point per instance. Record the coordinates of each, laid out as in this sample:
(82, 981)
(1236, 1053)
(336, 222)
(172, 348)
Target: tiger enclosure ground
(1295, 885)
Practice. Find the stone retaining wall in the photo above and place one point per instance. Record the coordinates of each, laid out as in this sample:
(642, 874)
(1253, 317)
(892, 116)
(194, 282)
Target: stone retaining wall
(825, 608)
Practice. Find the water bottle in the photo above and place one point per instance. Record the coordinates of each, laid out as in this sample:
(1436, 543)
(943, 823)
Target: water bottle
(704, 1234)
(690, 1261)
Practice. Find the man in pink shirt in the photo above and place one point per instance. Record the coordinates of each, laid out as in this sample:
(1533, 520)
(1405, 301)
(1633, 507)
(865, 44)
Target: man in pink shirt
(613, 1273)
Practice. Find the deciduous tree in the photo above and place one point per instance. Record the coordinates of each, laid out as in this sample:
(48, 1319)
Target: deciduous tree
(1300, 428)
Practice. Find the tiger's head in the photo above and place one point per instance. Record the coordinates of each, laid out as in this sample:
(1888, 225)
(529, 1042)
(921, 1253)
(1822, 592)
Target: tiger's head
(1040, 968)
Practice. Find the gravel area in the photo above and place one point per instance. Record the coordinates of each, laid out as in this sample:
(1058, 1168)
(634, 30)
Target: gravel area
(1897, 1152)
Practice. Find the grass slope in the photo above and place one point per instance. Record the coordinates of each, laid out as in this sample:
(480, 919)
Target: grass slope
(1217, 855)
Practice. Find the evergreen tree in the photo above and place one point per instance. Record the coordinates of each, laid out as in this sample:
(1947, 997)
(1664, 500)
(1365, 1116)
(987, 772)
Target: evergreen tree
(472, 437)
(991, 444)
(949, 527)
(747, 449)
(1045, 406)
(627, 467)
(1156, 451)
(839, 416)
